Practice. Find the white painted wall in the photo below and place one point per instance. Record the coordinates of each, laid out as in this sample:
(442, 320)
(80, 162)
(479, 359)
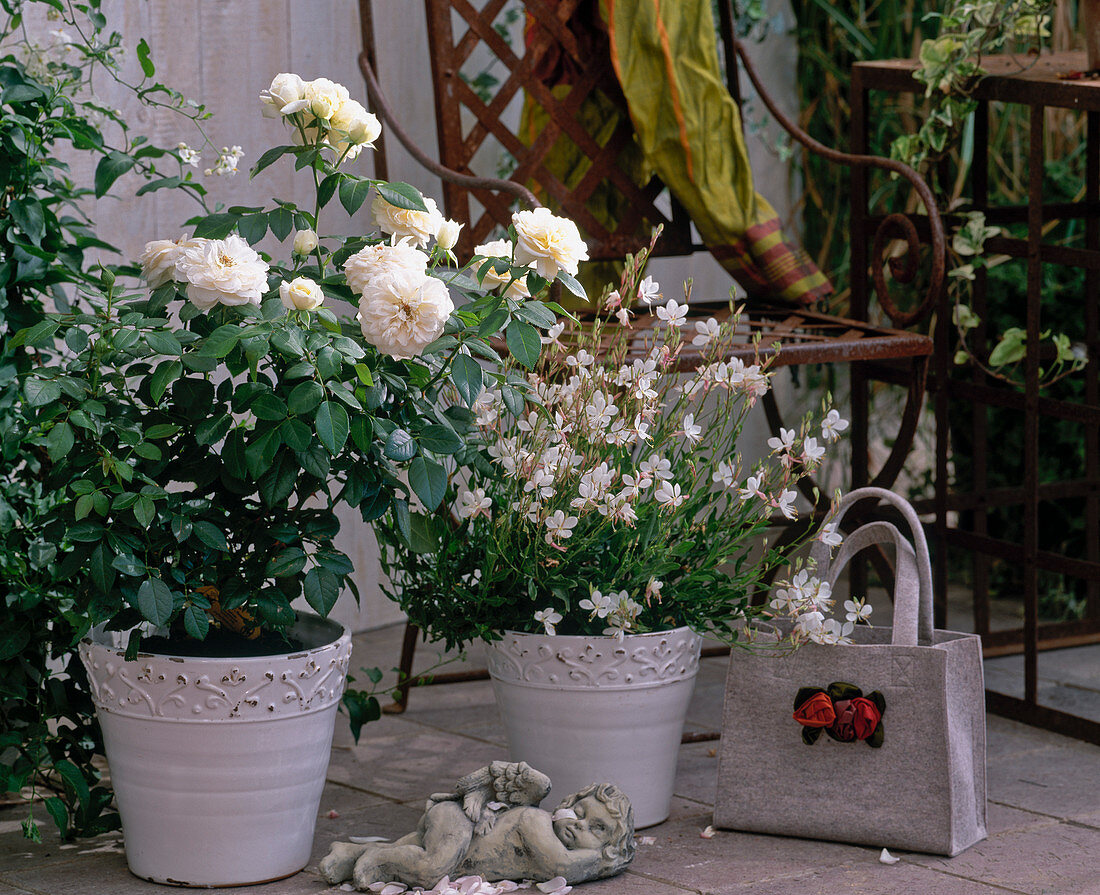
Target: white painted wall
(223, 53)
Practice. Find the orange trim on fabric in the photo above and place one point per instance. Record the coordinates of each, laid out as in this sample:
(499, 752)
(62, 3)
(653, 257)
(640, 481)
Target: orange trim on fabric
(612, 36)
(674, 93)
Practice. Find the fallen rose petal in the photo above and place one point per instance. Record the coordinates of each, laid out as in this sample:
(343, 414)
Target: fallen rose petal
(360, 840)
(887, 858)
(555, 886)
(497, 806)
(647, 840)
(393, 889)
(708, 833)
(332, 815)
(564, 814)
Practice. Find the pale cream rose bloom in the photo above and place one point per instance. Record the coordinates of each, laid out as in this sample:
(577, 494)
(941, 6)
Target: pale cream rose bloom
(285, 96)
(325, 97)
(222, 271)
(372, 262)
(305, 241)
(158, 259)
(553, 243)
(501, 248)
(360, 125)
(301, 294)
(158, 262)
(401, 314)
(418, 226)
(447, 237)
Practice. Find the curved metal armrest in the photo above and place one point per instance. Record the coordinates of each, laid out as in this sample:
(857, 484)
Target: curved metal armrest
(893, 225)
(385, 112)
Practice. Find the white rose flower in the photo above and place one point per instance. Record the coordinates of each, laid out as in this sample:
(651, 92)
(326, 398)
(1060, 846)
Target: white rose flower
(553, 243)
(420, 227)
(222, 271)
(301, 294)
(447, 237)
(401, 314)
(285, 96)
(324, 97)
(361, 127)
(305, 241)
(501, 248)
(158, 261)
(382, 260)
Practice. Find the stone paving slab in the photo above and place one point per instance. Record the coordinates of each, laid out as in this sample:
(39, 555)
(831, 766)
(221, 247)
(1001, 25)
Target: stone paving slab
(1044, 814)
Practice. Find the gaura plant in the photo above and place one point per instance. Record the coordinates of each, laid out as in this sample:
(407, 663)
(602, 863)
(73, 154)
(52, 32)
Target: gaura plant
(620, 504)
(204, 431)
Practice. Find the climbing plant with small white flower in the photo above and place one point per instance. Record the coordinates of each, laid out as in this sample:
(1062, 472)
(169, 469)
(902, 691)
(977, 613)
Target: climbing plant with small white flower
(620, 502)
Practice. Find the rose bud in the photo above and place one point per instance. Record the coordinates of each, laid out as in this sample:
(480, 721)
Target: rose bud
(817, 711)
(305, 241)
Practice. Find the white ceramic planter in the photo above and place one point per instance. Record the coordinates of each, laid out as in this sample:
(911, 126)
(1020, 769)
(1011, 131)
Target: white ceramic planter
(218, 764)
(595, 709)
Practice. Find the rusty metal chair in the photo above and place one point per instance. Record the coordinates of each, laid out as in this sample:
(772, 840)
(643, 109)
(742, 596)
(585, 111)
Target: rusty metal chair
(467, 118)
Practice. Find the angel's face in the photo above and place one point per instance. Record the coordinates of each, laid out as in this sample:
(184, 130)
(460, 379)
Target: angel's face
(592, 828)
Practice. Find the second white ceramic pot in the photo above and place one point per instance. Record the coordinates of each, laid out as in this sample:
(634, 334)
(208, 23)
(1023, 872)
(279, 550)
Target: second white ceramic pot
(596, 709)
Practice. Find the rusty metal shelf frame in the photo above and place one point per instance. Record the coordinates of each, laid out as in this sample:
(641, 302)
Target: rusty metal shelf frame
(1037, 85)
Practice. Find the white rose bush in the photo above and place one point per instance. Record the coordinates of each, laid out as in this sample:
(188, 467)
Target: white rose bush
(206, 422)
(616, 501)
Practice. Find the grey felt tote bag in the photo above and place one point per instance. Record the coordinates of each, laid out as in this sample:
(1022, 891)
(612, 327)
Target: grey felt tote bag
(881, 742)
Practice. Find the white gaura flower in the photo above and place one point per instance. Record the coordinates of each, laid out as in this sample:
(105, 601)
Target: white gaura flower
(784, 441)
(501, 248)
(830, 535)
(403, 313)
(548, 618)
(324, 97)
(382, 260)
(559, 526)
(599, 412)
(474, 503)
(668, 495)
(692, 431)
(598, 605)
(551, 242)
(653, 590)
(553, 334)
(623, 316)
(419, 227)
(285, 96)
(649, 291)
(725, 474)
(752, 489)
(811, 451)
(222, 271)
(301, 294)
(832, 426)
(857, 610)
(580, 360)
(808, 624)
(785, 504)
(754, 383)
(831, 632)
(673, 314)
(705, 332)
(655, 467)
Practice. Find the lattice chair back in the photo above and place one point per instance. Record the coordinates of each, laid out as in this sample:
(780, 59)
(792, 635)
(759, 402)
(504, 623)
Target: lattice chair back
(536, 100)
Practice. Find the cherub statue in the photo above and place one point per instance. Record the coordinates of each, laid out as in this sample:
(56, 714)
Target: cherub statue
(487, 790)
(589, 836)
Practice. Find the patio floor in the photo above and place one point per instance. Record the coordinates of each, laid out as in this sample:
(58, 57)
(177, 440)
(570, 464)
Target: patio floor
(1044, 813)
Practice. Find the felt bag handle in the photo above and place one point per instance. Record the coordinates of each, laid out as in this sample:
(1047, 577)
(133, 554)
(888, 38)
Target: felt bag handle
(912, 577)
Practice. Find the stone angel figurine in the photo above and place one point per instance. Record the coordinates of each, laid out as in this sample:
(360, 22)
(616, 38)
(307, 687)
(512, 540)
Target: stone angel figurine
(490, 826)
(491, 789)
